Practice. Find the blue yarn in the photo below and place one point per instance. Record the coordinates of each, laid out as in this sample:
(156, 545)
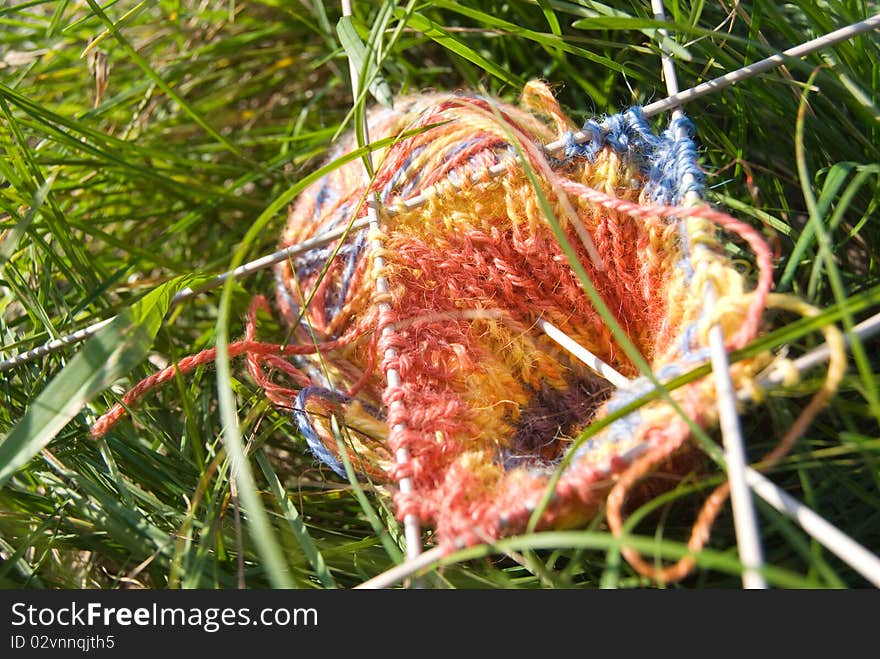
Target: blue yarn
(624, 428)
(673, 162)
(620, 430)
(687, 338)
(341, 217)
(616, 133)
(315, 259)
(663, 159)
(281, 287)
(587, 149)
(325, 194)
(458, 148)
(350, 266)
(308, 431)
(402, 173)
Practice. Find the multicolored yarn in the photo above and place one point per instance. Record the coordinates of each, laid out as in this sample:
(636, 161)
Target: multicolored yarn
(488, 405)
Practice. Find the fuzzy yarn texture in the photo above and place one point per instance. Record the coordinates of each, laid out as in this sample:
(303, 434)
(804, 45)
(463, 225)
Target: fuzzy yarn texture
(487, 405)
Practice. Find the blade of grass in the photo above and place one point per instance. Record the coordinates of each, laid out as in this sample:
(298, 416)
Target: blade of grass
(106, 357)
(240, 469)
(363, 59)
(11, 239)
(707, 559)
(455, 45)
(156, 78)
(549, 41)
(295, 521)
(826, 254)
(263, 537)
(834, 180)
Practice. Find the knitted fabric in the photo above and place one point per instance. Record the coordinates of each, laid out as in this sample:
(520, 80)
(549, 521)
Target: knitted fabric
(487, 404)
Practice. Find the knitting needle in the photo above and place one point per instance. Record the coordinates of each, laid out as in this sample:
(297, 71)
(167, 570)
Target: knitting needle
(244, 270)
(864, 330)
(744, 516)
(743, 73)
(761, 66)
(412, 532)
(401, 571)
(605, 370)
(721, 82)
(819, 355)
(832, 538)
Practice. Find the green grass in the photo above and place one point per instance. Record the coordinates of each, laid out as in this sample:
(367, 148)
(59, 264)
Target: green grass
(173, 144)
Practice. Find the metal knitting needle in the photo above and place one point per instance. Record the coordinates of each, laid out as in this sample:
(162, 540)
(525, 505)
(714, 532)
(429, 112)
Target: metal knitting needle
(864, 330)
(242, 271)
(54, 345)
(400, 572)
(819, 355)
(817, 527)
(597, 365)
(716, 84)
(652, 109)
(412, 532)
(763, 65)
(744, 516)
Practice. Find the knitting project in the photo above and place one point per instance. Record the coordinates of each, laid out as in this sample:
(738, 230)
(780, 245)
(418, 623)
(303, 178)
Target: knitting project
(430, 340)
(487, 404)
